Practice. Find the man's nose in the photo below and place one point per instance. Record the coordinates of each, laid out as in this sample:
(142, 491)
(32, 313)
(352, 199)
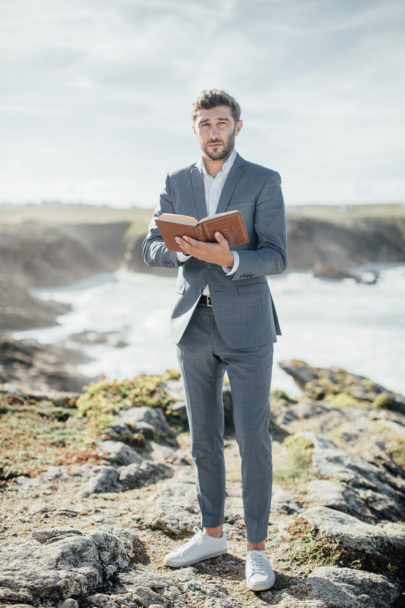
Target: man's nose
(214, 131)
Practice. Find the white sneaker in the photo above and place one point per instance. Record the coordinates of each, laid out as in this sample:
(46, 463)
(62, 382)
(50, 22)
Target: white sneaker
(201, 546)
(259, 573)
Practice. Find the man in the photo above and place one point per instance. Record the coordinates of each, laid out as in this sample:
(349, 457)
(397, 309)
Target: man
(224, 320)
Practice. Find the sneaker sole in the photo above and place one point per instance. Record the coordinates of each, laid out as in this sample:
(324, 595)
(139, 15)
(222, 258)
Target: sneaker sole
(262, 587)
(193, 561)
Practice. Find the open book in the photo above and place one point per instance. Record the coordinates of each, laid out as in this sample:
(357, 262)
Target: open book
(230, 224)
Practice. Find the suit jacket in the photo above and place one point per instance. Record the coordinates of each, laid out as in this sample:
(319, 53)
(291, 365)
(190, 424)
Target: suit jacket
(242, 304)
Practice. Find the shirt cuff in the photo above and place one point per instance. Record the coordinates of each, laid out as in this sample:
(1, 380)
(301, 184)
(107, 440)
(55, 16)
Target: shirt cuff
(227, 269)
(182, 257)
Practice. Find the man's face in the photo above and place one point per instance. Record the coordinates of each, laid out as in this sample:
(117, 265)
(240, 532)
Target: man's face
(216, 130)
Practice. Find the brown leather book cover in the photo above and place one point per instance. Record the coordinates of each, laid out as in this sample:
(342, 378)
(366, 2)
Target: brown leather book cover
(230, 224)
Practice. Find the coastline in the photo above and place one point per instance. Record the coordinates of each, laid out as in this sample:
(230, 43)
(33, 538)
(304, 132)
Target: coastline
(48, 246)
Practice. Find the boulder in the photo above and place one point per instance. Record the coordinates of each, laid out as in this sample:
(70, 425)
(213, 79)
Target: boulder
(62, 564)
(136, 475)
(382, 496)
(148, 420)
(355, 535)
(118, 453)
(100, 479)
(344, 587)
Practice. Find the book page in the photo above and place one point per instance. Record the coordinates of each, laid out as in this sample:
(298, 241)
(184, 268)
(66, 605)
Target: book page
(215, 215)
(176, 218)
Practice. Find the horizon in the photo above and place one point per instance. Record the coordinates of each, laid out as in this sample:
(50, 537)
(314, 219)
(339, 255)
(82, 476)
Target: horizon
(97, 97)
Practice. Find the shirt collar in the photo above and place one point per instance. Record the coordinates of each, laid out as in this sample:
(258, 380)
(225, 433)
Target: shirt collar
(226, 167)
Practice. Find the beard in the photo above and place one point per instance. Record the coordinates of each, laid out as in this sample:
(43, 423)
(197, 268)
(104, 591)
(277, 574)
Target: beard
(222, 152)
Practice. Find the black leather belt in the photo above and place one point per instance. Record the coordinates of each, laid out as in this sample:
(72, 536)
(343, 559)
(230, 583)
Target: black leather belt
(205, 301)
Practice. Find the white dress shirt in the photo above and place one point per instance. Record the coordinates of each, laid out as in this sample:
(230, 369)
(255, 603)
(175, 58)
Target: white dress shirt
(213, 187)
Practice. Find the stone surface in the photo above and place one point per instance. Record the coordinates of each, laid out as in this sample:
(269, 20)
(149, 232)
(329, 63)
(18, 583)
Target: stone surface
(328, 382)
(149, 420)
(118, 452)
(100, 479)
(175, 510)
(356, 535)
(344, 587)
(378, 495)
(283, 501)
(137, 475)
(340, 496)
(73, 565)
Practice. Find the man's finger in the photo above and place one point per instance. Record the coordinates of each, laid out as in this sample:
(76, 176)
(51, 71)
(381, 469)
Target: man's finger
(190, 240)
(221, 239)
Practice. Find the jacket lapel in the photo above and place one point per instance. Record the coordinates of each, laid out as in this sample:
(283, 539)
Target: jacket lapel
(197, 182)
(231, 181)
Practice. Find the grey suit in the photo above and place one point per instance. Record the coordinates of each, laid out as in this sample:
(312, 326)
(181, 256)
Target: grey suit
(235, 335)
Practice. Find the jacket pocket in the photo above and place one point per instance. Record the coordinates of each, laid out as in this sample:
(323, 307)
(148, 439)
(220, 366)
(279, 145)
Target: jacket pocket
(252, 286)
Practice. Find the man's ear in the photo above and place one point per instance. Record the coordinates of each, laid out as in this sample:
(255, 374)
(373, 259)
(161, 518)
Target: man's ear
(194, 130)
(239, 125)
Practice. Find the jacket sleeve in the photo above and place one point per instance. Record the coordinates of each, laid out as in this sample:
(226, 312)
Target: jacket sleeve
(270, 254)
(154, 250)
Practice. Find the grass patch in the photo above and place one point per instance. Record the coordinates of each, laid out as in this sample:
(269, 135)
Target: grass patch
(293, 462)
(35, 434)
(306, 547)
(343, 400)
(393, 440)
(102, 400)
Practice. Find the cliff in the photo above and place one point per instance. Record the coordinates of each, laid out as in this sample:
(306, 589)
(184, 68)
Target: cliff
(97, 486)
(49, 246)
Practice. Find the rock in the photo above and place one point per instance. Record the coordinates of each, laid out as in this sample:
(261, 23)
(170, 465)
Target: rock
(146, 597)
(70, 603)
(136, 475)
(383, 496)
(166, 587)
(175, 510)
(149, 420)
(33, 366)
(334, 384)
(344, 587)
(70, 567)
(52, 534)
(102, 479)
(339, 496)
(331, 271)
(118, 453)
(283, 501)
(118, 431)
(355, 535)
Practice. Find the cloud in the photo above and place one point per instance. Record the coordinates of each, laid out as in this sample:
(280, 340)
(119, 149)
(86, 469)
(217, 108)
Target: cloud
(99, 93)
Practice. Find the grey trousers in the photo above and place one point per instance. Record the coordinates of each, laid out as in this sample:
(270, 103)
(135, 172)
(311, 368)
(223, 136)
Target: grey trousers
(203, 358)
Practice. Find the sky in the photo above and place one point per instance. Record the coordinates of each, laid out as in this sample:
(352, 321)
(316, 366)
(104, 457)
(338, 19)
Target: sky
(95, 95)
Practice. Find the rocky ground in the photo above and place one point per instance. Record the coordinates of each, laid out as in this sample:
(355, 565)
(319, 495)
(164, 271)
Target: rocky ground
(98, 486)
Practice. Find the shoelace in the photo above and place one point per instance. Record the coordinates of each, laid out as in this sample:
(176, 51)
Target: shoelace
(197, 532)
(259, 562)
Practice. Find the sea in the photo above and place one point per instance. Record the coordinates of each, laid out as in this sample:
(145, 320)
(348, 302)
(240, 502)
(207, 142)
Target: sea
(359, 327)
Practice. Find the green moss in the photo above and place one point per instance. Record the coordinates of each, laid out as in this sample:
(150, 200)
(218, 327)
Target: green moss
(36, 433)
(305, 548)
(102, 400)
(293, 463)
(383, 400)
(394, 442)
(343, 400)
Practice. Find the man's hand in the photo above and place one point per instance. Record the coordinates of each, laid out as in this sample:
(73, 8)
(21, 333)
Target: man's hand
(215, 253)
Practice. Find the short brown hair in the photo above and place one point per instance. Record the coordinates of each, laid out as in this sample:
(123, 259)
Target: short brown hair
(211, 99)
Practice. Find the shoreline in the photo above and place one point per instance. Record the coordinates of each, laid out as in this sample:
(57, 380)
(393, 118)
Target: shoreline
(60, 244)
